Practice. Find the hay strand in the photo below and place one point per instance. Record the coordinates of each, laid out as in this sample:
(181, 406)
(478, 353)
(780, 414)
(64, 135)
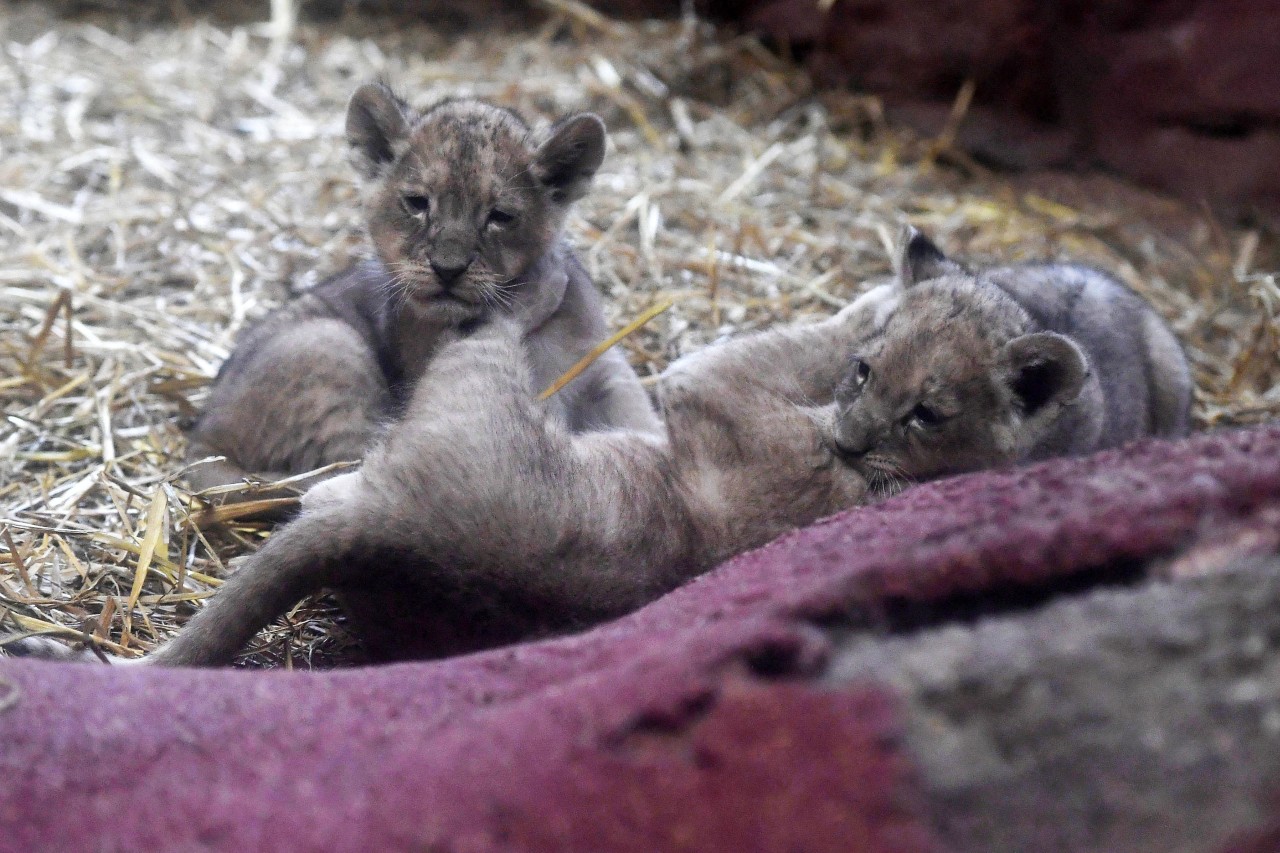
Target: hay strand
(155, 528)
(604, 346)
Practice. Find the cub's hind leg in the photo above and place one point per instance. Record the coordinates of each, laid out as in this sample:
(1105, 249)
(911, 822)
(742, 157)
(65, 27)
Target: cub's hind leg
(293, 397)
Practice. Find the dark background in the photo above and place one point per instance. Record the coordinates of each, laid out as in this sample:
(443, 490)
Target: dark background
(1182, 95)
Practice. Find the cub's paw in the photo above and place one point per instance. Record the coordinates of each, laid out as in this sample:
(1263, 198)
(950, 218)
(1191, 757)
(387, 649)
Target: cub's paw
(872, 307)
(335, 490)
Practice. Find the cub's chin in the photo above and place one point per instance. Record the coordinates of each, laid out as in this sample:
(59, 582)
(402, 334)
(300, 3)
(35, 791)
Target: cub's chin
(452, 306)
(885, 476)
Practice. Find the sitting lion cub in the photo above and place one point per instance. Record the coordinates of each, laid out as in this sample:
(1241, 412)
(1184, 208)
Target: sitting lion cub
(465, 208)
(1005, 365)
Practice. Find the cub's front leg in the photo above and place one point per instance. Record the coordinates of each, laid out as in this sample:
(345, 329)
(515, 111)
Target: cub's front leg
(799, 364)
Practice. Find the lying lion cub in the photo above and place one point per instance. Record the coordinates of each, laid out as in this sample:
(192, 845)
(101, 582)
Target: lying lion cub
(484, 518)
(1005, 365)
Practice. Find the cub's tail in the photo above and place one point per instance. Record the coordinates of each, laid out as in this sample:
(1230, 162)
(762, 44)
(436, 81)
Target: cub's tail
(300, 558)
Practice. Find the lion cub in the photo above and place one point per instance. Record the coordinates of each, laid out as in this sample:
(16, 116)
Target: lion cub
(465, 209)
(1005, 365)
(481, 519)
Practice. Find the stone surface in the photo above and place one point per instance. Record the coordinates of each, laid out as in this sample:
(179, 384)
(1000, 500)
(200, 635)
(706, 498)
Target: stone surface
(1135, 719)
(980, 663)
(1180, 95)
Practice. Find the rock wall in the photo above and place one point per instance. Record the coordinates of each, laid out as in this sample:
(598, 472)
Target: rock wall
(1183, 95)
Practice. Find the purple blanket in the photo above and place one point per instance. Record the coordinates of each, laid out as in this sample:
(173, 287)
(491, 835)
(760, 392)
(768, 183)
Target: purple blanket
(981, 663)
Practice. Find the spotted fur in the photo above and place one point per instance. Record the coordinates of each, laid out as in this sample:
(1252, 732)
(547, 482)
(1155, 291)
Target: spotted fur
(465, 207)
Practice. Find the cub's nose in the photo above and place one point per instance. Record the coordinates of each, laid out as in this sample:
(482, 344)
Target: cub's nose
(851, 450)
(852, 442)
(449, 272)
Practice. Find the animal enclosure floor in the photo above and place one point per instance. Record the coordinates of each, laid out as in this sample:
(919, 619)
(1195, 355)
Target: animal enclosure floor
(162, 185)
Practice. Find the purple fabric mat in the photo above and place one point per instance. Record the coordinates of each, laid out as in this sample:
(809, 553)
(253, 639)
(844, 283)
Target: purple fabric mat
(698, 723)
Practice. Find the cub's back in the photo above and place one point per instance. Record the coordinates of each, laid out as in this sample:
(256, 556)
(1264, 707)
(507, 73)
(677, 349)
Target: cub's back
(357, 297)
(1143, 372)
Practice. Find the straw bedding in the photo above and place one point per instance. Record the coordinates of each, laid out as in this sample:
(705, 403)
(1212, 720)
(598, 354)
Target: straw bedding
(162, 185)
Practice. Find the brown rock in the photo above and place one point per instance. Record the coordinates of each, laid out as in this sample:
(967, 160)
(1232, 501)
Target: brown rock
(1180, 95)
(1183, 95)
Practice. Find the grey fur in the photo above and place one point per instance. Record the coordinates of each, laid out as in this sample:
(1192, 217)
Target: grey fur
(481, 506)
(1006, 365)
(315, 381)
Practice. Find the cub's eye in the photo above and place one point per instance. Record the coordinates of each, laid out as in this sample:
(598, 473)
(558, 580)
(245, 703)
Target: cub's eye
(416, 205)
(500, 217)
(861, 372)
(926, 416)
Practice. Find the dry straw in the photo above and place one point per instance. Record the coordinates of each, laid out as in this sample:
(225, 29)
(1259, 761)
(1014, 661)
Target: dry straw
(161, 186)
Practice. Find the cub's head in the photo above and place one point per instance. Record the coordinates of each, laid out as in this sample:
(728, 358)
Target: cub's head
(461, 198)
(954, 382)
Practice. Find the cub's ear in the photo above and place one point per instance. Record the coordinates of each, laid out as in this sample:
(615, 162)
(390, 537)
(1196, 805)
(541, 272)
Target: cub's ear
(377, 128)
(568, 160)
(1044, 368)
(920, 260)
